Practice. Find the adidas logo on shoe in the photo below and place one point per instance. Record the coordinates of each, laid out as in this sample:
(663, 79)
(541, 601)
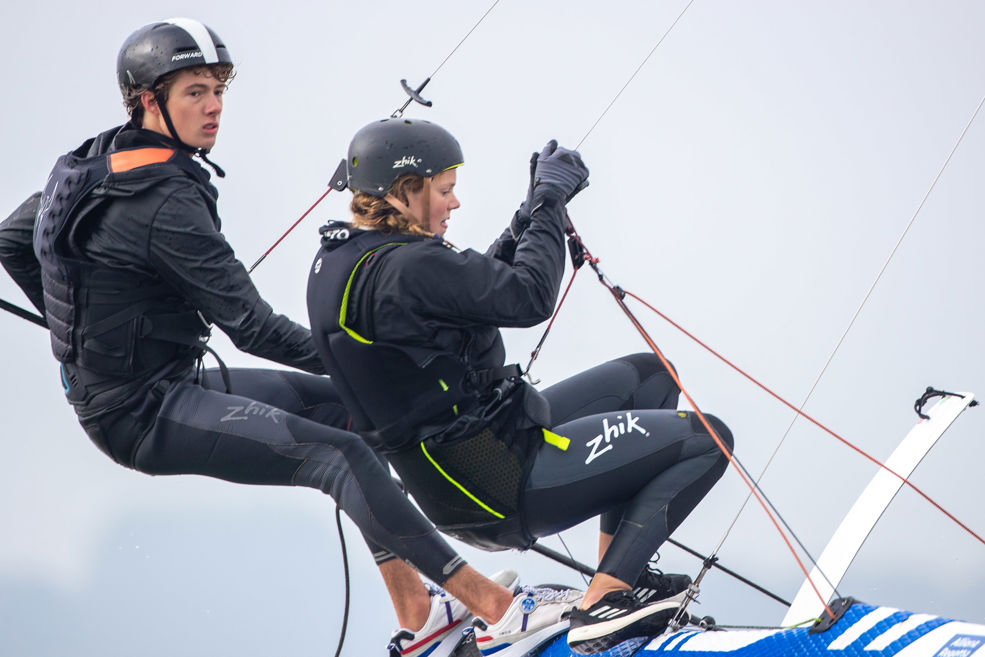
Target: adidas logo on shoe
(618, 617)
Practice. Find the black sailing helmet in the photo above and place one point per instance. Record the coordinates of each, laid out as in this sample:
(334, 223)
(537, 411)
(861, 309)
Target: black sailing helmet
(160, 48)
(166, 46)
(384, 150)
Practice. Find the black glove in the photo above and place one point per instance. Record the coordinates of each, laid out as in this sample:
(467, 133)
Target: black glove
(559, 171)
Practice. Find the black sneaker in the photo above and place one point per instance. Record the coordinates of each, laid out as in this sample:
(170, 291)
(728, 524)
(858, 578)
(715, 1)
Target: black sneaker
(653, 584)
(617, 617)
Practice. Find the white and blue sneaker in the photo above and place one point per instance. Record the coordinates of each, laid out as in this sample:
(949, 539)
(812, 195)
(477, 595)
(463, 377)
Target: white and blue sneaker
(536, 615)
(442, 631)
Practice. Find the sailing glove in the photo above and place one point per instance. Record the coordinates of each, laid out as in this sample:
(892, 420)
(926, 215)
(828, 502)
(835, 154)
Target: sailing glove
(559, 171)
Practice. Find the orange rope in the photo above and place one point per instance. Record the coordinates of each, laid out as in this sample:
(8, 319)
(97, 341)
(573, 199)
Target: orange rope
(718, 441)
(618, 294)
(812, 420)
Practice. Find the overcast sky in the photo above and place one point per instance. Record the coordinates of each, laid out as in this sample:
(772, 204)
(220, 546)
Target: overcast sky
(750, 183)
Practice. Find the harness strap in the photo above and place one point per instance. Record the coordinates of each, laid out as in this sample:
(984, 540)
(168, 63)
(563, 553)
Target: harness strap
(184, 328)
(408, 430)
(223, 370)
(482, 378)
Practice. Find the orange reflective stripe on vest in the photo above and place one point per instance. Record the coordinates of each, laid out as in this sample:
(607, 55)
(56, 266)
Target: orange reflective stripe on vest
(127, 160)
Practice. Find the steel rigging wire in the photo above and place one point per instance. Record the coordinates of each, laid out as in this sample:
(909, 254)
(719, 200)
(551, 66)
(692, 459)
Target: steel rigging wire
(858, 310)
(754, 488)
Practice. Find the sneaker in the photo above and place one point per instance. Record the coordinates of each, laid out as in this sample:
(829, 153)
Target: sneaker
(442, 630)
(654, 584)
(536, 615)
(617, 617)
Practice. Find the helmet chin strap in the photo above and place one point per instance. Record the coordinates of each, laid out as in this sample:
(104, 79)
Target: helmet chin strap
(400, 205)
(191, 150)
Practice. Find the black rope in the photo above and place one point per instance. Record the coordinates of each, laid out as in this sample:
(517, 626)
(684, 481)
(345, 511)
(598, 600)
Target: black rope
(565, 560)
(345, 570)
(23, 314)
(716, 564)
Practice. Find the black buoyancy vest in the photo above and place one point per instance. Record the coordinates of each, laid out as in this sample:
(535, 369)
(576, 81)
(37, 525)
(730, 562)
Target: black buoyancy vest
(452, 446)
(391, 390)
(104, 320)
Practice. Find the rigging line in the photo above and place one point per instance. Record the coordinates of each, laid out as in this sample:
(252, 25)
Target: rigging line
(810, 418)
(345, 569)
(748, 582)
(616, 293)
(543, 338)
(858, 311)
(581, 568)
(467, 35)
(286, 232)
(619, 295)
(341, 169)
(572, 557)
(635, 73)
(24, 314)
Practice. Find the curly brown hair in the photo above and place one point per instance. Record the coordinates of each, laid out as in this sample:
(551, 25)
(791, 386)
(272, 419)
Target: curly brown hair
(131, 101)
(374, 213)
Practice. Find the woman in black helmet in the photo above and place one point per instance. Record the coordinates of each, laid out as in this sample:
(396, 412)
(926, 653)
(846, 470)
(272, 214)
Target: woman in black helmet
(123, 254)
(408, 327)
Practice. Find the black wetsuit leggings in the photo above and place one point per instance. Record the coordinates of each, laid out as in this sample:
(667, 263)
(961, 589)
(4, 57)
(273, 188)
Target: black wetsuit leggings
(281, 428)
(633, 459)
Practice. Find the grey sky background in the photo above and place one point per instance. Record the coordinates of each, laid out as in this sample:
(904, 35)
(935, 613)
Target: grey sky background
(750, 183)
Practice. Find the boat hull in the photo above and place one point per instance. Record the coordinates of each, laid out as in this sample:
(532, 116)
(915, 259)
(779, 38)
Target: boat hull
(863, 631)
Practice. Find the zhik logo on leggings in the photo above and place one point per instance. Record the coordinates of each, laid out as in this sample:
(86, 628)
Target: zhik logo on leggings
(610, 432)
(254, 409)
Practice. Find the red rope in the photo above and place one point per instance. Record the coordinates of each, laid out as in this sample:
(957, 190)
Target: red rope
(293, 226)
(811, 419)
(536, 352)
(617, 295)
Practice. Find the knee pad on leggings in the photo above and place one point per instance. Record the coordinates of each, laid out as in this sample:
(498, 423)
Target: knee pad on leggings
(656, 388)
(723, 432)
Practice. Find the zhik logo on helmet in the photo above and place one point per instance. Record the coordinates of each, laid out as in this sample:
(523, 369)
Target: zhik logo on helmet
(406, 161)
(610, 432)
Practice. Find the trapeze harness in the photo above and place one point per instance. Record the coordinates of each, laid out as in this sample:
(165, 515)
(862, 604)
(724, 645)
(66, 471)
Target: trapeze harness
(103, 321)
(461, 439)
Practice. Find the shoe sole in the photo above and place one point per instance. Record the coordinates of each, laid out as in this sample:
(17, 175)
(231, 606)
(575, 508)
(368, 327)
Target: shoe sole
(597, 630)
(444, 646)
(529, 643)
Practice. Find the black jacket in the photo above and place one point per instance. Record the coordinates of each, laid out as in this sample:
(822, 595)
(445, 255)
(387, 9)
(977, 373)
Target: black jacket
(159, 225)
(428, 295)
(442, 309)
